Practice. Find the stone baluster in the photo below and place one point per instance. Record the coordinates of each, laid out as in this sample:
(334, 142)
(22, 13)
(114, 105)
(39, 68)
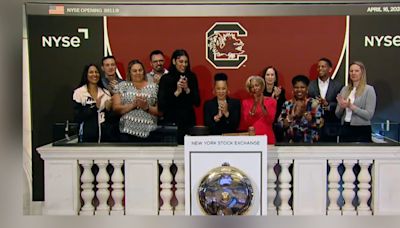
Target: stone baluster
(271, 185)
(333, 187)
(180, 188)
(117, 186)
(285, 193)
(364, 186)
(102, 193)
(87, 193)
(348, 187)
(166, 188)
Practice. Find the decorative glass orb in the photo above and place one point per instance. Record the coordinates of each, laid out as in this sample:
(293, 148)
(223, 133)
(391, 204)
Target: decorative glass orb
(225, 190)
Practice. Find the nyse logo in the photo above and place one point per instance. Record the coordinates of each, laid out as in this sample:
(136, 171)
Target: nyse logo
(65, 41)
(224, 46)
(379, 41)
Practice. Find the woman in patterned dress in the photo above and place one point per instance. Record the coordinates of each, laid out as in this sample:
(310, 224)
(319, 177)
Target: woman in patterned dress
(301, 116)
(136, 101)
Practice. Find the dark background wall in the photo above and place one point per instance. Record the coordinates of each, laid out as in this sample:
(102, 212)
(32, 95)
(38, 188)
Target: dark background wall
(54, 73)
(382, 62)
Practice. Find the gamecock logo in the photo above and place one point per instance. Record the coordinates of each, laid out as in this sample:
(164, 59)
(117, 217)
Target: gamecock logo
(224, 46)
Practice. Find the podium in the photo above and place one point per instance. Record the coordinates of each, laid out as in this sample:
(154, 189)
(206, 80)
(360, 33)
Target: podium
(247, 153)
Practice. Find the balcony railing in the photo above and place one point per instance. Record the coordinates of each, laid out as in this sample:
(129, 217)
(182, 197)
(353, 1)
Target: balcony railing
(149, 180)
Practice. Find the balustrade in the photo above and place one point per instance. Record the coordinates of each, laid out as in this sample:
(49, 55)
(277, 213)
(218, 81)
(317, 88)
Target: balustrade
(271, 186)
(133, 187)
(87, 192)
(333, 187)
(166, 188)
(284, 192)
(117, 186)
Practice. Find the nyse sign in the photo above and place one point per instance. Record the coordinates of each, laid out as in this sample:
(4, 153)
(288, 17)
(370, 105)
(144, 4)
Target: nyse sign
(382, 41)
(65, 41)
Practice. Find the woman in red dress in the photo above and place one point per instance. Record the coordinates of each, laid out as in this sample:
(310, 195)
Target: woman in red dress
(259, 111)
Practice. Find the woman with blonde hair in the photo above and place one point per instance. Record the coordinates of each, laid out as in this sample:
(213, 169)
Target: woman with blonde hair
(356, 106)
(259, 110)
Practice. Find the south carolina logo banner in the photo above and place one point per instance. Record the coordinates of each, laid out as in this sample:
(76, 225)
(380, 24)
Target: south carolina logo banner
(224, 49)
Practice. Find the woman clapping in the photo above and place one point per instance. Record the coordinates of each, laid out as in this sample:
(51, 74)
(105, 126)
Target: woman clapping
(259, 110)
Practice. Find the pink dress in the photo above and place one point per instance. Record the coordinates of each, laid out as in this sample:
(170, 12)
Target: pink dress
(261, 122)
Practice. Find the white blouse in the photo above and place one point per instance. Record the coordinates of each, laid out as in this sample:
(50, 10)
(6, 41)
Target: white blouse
(349, 112)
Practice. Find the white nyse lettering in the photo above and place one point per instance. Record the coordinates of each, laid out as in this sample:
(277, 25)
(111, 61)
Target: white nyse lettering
(379, 41)
(75, 41)
(396, 41)
(46, 41)
(65, 41)
(57, 40)
(61, 41)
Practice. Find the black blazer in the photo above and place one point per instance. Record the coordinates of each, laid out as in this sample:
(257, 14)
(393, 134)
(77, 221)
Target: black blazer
(333, 90)
(225, 125)
(279, 102)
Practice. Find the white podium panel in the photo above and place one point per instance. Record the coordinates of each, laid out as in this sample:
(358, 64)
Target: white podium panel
(141, 187)
(247, 153)
(309, 193)
(62, 187)
(386, 185)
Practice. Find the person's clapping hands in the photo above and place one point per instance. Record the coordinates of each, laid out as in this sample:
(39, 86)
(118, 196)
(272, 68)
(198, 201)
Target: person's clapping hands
(141, 102)
(223, 108)
(180, 85)
(113, 85)
(277, 92)
(323, 102)
(343, 103)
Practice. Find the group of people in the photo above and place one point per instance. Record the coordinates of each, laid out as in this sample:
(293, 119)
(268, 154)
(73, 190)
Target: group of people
(110, 109)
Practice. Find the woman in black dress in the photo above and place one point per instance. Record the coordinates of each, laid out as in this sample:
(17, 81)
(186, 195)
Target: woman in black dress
(179, 94)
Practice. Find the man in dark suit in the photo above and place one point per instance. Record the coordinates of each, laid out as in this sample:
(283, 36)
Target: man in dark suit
(325, 90)
(222, 113)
